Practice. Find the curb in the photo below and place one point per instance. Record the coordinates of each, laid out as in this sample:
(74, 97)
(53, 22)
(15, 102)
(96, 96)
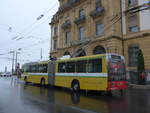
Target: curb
(135, 86)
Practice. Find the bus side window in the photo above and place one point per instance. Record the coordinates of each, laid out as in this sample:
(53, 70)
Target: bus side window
(70, 67)
(62, 67)
(25, 68)
(81, 66)
(22, 70)
(34, 68)
(40, 68)
(30, 69)
(45, 68)
(94, 66)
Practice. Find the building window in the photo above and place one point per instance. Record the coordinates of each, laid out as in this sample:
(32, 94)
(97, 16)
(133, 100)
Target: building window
(132, 55)
(67, 53)
(133, 29)
(55, 31)
(99, 28)
(81, 13)
(132, 2)
(99, 50)
(133, 23)
(98, 5)
(67, 37)
(98, 8)
(81, 33)
(55, 44)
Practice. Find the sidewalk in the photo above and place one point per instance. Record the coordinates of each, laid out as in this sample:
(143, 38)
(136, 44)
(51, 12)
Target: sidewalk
(136, 86)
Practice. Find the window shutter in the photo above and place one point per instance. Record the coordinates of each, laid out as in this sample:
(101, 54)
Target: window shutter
(133, 21)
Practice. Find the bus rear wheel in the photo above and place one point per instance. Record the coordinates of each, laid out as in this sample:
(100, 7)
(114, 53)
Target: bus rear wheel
(42, 82)
(75, 86)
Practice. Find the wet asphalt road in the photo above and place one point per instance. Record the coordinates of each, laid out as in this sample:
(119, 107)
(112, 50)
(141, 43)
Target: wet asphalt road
(19, 98)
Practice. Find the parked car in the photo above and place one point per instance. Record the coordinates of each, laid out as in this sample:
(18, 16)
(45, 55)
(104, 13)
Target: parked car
(6, 74)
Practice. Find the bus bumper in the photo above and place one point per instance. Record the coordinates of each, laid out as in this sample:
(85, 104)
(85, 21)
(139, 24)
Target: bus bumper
(117, 85)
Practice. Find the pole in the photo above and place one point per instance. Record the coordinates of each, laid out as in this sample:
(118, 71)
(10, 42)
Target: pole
(16, 62)
(121, 10)
(5, 68)
(41, 54)
(13, 53)
(51, 39)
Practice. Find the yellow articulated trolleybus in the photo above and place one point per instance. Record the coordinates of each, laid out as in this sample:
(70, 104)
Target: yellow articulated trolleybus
(105, 72)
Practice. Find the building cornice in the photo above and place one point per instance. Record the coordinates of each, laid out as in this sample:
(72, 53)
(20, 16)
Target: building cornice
(54, 52)
(69, 5)
(92, 41)
(141, 34)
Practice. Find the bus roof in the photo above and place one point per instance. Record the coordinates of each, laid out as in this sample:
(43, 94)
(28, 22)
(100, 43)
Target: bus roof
(86, 57)
(35, 63)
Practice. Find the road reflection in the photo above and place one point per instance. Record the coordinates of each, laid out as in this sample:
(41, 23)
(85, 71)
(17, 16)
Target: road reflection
(63, 101)
(15, 97)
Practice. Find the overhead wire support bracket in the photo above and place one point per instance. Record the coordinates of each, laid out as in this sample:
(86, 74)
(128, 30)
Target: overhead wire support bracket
(139, 8)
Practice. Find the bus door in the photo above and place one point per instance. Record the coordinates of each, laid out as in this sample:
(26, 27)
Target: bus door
(51, 73)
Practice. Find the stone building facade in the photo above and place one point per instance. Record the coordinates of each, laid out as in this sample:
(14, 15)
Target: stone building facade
(136, 30)
(86, 27)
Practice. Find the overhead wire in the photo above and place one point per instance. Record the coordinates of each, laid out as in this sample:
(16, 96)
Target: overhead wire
(10, 59)
(25, 30)
(37, 19)
(115, 17)
(17, 37)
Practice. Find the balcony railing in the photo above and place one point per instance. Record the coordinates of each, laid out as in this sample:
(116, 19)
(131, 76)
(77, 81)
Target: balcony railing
(80, 20)
(55, 36)
(66, 25)
(97, 12)
(68, 5)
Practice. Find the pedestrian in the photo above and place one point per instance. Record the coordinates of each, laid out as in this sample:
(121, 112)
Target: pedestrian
(143, 78)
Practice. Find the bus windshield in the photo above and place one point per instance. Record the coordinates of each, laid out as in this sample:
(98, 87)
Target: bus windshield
(116, 68)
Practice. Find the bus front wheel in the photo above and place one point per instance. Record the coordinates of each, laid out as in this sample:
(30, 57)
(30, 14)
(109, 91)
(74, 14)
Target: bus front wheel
(75, 86)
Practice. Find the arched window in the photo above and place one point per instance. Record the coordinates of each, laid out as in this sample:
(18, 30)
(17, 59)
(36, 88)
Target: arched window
(99, 50)
(132, 54)
(67, 53)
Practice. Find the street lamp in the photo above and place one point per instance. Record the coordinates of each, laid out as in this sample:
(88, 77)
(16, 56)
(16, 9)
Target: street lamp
(13, 58)
(16, 60)
(9, 28)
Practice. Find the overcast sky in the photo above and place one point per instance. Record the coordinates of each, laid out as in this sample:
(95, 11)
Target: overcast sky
(20, 28)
